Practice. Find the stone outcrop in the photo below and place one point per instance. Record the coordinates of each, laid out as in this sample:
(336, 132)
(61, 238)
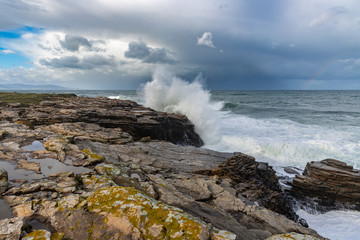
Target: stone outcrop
(132, 118)
(131, 186)
(330, 183)
(257, 182)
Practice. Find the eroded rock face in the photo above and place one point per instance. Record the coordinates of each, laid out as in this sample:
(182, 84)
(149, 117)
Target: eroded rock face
(329, 183)
(256, 182)
(132, 118)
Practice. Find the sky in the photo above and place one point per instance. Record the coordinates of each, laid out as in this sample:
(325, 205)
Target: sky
(233, 44)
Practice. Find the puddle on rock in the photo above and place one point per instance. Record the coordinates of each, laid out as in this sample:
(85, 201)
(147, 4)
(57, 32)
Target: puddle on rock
(51, 166)
(48, 166)
(34, 146)
(18, 173)
(5, 210)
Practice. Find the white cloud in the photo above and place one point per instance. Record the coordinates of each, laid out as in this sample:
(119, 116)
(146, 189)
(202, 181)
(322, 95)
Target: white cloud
(206, 40)
(327, 16)
(7, 51)
(292, 45)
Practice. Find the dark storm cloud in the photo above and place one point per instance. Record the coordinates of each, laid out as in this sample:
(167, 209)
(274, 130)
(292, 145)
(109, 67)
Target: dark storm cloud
(140, 50)
(73, 43)
(74, 62)
(259, 44)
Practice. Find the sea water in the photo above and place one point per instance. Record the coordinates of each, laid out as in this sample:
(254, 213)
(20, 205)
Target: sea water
(283, 128)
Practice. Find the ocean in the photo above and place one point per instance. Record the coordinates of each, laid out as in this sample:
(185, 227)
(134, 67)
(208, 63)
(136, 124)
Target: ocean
(283, 128)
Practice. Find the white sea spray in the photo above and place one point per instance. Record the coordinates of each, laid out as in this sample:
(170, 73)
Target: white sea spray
(169, 93)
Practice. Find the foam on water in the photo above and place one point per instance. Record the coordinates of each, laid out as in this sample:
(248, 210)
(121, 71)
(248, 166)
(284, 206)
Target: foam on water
(335, 225)
(283, 142)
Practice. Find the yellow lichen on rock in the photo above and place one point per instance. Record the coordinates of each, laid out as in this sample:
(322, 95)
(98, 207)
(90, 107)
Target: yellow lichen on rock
(38, 235)
(153, 219)
(57, 236)
(292, 236)
(92, 157)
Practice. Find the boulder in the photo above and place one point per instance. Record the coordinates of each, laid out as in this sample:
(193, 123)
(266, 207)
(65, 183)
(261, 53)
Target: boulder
(330, 183)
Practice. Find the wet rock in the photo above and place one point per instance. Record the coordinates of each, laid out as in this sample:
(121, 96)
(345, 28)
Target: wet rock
(292, 170)
(330, 183)
(10, 228)
(3, 181)
(33, 166)
(257, 182)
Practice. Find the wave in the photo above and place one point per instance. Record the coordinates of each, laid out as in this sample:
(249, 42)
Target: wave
(229, 106)
(283, 142)
(169, 93)
(224, 127)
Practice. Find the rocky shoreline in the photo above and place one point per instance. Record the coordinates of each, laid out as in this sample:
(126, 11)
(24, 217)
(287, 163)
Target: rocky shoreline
(95, 168)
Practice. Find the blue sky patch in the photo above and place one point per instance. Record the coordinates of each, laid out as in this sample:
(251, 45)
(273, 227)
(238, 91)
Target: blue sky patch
(14, 60)
(16, 33)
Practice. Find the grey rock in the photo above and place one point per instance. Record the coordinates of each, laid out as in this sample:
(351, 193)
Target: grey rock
(10, 228)
(3, 181)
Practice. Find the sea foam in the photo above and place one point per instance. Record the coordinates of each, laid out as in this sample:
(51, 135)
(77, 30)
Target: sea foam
(169, 93)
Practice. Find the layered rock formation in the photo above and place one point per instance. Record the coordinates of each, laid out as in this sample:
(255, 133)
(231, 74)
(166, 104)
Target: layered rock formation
(132, 118)
(331, 183)
(121, 188)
